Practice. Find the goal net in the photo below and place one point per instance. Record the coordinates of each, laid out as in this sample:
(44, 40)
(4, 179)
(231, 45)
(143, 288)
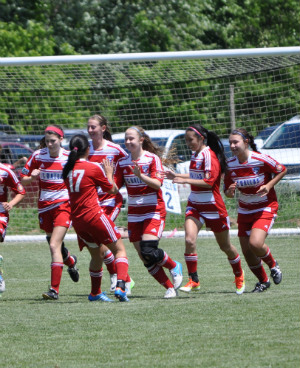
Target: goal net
(255, 89)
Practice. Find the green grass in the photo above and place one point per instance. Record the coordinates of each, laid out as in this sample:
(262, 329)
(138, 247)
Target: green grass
(214, 328)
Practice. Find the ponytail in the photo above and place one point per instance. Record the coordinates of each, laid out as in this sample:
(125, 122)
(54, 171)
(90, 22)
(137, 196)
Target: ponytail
(212, 140)
(78, 147)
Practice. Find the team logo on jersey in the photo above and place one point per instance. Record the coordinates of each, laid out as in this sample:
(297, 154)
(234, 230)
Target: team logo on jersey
(198, 164)
(279, 168)
(42, 166)
(25, 171)
(145, 168)
(233, 173)
(255, 170)
(207, 175)
(20, 187)
(110, 158)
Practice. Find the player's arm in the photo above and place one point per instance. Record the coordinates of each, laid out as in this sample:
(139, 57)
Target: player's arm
(9, 205)
(108, 167)
(27, 179)
(264, 189)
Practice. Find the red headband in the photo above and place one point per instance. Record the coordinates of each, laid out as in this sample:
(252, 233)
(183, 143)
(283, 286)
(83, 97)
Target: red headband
(196, 131)
(55, 130)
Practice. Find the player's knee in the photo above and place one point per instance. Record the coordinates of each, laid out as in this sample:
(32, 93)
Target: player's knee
(150, 252)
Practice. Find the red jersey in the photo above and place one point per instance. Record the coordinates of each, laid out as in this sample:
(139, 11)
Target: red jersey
(81, 183)
(113, 152)
(258, 170)
(53, 190)
(8, 180)
(208, 201)
(144, 202)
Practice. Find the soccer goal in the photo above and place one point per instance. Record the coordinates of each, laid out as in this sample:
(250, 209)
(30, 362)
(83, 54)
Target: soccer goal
(220, 89)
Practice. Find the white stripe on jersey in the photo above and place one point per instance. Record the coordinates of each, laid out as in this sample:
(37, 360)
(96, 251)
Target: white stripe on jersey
(207, 157)
(110, 202)
(252, 198)
(205, 197)
(3, 218)
(51, 195)
(142, 200)
(49, 208)
(140, 218)
(247, 212)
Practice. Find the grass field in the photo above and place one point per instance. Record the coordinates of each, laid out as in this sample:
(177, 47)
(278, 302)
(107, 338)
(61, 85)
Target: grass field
(213, 328)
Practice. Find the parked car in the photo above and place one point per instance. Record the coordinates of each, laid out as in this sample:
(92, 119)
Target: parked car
(284, 146)
(263, 135)
(69, 134)
(6, 129)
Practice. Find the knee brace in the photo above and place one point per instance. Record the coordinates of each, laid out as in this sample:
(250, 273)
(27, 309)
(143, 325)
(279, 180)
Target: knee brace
(150, 252)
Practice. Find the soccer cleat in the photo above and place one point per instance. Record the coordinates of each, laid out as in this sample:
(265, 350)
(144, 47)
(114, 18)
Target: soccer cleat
(73, 271)
(121, 295)
(170, 293)
(191, 286)
(276, 274)
(129, 286)
(102, 297)
(176, 274)
(113, 281)
(261, 287)
(240, 283)
(2, 285)
(50, 295)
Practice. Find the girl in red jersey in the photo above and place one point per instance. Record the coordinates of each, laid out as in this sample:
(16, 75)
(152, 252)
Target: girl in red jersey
(46, 164)
(8, 179)
(142, 172)
(102, 147)
(92, 225)
(205, 204)
(254, 175)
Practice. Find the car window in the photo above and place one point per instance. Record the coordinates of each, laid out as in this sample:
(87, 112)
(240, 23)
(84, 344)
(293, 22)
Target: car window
(182, 150)
(18, 152)
(287, 136)
(5, 156)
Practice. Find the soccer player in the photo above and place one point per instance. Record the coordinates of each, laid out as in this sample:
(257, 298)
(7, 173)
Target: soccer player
(205, 204)
(92, 225)
(142, 172)
(46, 165)
(8, 179)
(102, 147)
(254, 175)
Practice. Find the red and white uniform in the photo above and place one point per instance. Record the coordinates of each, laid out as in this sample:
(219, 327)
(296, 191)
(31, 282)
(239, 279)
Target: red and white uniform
(206, 204)
(88, 219)
(8, 179)
(110, 203)
(53, 191)
(250, 176)
(144, 203)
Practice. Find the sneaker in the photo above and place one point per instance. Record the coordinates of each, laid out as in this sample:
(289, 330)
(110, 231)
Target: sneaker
(176, 274)
(276, 274)
(101, 297)
(129, 286)
(170, 293)
(191, 286)
(121, 295)
(113, 281)
(51, 294)
(240, 283)
(2, 285)
(73, 271)
(261, 286)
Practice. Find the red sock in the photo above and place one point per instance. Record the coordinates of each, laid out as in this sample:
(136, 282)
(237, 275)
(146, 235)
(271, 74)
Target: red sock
(69, 261)
(236, 265)
(159, 274)
(121, 268)
(56, 272)
(191, 260)
(268, 259)
(259, 272)
(167, 262)
(96, 277)
(109, 260)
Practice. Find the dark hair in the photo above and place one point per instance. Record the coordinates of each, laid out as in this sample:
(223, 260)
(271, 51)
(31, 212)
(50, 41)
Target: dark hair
(103, 121)
(52, 132)
(78, 147)
(42, 143)
(213, 141)
(246, 136)
(149, 146)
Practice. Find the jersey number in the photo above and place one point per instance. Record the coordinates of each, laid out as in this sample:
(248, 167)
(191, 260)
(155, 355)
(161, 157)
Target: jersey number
(77, 176)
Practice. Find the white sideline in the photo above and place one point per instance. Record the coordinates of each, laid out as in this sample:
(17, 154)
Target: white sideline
(166, 234)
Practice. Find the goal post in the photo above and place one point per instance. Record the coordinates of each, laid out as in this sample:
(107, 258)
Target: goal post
(220, 89)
